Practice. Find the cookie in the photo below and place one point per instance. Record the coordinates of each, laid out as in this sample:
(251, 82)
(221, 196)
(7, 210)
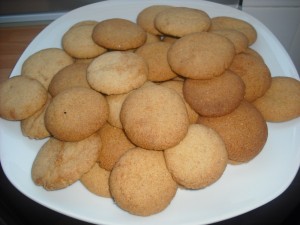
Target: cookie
(78, 42)
(117, 72)
(254, 73)
(177, 86)
(215, 97)
(114, 145)
(244, 131)
(199, 159)
(201, 55)
(73, 75)
(227, 22)
(96, 181)
(76, 113)
(154, 117)
(21, 97)
(59, 164)
(118, 34)
(155, 54)
(140, 182)
(145, 18)
(281, 102)
(44, 64)
(34, 126)
(254, 53)
(180, 21)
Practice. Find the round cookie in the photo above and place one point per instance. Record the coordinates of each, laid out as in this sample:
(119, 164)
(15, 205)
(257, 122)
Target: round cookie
(254, 73)
(59, 164)
(177, 86)
(201, 55)
(96, 181)
(204, 155)
(215, 97)
(180, 21)
(117, 72)
(140, 182)
(76, 113)
(155, 54)
(73, 75)
(145, 18)
(44, 64)
(114, 145)
(226, 22)
(281, 102)
(244, 131)
(154, 117)
(118, 34)
(21, 97)
(78, 42)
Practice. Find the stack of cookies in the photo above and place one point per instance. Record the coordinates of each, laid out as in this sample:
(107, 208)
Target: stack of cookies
(136, 110)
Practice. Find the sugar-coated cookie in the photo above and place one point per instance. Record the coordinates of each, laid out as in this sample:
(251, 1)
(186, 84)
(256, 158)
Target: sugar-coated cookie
(154, 117)
(59, 164)
(199, 159)
(281, 102)
(201, 55)
(76, 113)
(244, 131)
(140, 182)
(21, 97)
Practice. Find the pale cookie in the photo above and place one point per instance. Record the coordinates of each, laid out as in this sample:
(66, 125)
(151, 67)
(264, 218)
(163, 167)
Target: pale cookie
(140, 182)
(21, 97)
(180, 21)
(117, 72)
(96, 181)
(199, 159)
(215, 97)
(119, 34)
(114, 145)
(76, 113)
(244, 131)
(155, 54)
(281, 102)
(201, 55)
(59, 164)
(145, 18)
(255, 74)
(73, 75)
(154, 117)
(44, 64)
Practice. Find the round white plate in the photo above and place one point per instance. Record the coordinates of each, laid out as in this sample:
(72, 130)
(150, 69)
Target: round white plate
(241, 188)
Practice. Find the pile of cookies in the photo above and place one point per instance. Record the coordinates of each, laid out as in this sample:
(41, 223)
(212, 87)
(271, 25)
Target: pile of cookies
(136, 110)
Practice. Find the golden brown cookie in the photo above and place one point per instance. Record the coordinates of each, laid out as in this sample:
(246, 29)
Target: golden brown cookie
(96, 181)
(227, 22)
(281, 102)
(117, 72)
(44, 64)
(21, 97)
(140, 182)
(76, 113)
(118, 34)
(73, 75)
(199, 159)
(215, 97)
(59, 164)
(154, 117)
(244, 131)
(114, 145)
(201, 55)
(155, 54)
(180, 21)
(255, 74)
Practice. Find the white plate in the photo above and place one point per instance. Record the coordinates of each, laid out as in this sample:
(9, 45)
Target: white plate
(241, 188)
